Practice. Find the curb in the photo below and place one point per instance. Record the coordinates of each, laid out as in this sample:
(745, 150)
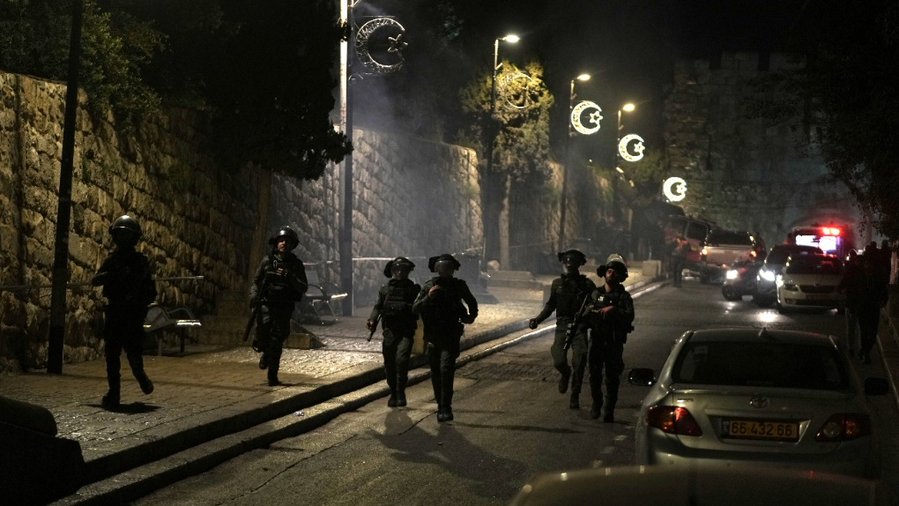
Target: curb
(115, 478)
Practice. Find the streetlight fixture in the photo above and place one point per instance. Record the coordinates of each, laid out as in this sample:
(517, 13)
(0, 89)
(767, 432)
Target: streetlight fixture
(563, 205)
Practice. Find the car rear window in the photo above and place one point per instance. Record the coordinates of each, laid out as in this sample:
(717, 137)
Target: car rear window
(764, 364)
(814, 265)
(779, 255)
(727, 237)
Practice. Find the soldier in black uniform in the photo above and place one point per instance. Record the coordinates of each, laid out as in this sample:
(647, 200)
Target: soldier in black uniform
(279, 283)
(609, 316)
(128, 286)
(398, 322)
(566, 297)
(440, 304)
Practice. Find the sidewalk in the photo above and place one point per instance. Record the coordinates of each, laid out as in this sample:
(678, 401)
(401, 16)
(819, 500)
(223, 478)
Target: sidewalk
(213, 404)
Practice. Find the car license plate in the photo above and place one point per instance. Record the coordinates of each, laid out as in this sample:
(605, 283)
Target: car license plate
(760, 429)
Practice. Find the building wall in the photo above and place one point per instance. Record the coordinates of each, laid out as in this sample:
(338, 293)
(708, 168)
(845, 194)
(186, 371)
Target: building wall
(748, 151)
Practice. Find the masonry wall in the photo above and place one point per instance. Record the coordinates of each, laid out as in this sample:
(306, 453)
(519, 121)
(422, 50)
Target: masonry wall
(412, 197)
(750, 155)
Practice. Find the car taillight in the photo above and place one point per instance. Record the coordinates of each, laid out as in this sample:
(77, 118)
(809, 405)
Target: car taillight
(844, 427)
(673, 420)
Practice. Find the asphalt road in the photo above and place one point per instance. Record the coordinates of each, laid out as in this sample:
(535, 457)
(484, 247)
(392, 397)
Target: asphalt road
(511, 423)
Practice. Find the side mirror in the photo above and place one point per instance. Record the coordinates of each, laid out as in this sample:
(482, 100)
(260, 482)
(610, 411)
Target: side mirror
(876, 386)
(642, 377)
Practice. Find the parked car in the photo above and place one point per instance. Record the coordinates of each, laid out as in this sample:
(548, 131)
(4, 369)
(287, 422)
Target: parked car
(721, 249)
(641, 485)
(765, 286)
(740, 279)
(745, 398)
(694, 230)
(810, 281)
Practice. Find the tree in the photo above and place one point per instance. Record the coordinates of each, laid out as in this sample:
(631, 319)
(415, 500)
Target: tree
(264, 73)
(521, 143)
(853, 75)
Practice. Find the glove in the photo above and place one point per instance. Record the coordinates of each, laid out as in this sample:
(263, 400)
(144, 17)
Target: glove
(370, 325)
(532, 323)
(467, 318)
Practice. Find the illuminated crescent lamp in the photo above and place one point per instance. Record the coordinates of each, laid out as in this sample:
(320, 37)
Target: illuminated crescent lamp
(675, 189)
(586, 124)
(388, 32)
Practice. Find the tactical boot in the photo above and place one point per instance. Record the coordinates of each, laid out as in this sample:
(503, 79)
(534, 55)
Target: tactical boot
(392, 400)
(401, 398)
(111, 400)
(609, 417)
(441, 416)
(146, 386)
(263, 362)
(595, 410)
(564, 381)
(448, 414)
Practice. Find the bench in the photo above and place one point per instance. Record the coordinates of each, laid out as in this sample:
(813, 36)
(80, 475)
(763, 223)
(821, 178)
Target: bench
(159, 320)
(317, 303)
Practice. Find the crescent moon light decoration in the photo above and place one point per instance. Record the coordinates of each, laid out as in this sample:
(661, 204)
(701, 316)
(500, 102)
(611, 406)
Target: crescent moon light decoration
(590, 124)
(638, 147)
(674, 189)
(519, 96)
(379, 44)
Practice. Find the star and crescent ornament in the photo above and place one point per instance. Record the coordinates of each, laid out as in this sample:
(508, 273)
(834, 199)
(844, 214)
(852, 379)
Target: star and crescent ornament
(638, 148)
(585, 117)
(379, 45)
(675, 189)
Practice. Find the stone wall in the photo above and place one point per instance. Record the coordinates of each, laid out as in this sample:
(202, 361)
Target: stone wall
(412, 197)
(751, 158)
(195, 220)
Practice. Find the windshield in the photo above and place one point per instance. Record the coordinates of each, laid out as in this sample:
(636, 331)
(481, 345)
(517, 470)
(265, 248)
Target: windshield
(814, 265)
(771, 364)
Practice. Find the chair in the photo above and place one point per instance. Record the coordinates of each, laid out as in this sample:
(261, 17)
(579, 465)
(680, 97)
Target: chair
(160, 319)
(317, 303)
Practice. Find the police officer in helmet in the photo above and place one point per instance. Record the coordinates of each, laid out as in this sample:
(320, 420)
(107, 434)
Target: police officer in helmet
(398, 323)
(279, 283)
(127, 281)
(566, 297)
(609, 316)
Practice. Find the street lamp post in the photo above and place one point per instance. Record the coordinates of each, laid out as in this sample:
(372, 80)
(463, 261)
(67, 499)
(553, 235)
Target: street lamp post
(628, 107)
(492, 133)
(563, 204)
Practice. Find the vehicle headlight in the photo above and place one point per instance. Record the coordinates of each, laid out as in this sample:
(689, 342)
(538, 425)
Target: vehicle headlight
(732, 274)
(767, 275)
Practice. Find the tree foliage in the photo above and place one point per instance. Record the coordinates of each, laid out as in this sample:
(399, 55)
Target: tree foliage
(264, 72)
(523, 103)
(854, 77)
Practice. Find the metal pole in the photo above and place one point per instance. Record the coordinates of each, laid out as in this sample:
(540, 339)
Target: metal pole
(345, 239)
(56, 339)
(563, 206)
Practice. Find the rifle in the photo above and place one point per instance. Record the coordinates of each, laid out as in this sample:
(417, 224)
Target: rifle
(374, 327)
(573, 324)
(257, 309)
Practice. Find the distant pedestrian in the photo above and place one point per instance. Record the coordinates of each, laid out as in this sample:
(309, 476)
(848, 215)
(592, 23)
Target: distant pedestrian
(853, 286)
(865, 295)
(279, 283)
(127, 281)
(398, 323)
(680, 248)
(609, 316)
(445, 303)
(566, 297)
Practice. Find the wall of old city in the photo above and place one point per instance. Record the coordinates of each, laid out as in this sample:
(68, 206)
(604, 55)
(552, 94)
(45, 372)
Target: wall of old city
(751, 158)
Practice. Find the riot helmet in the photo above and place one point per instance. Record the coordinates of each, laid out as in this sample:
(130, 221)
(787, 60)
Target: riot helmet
(579, 257)
(293, 240)
(616, 263)
(398, 262)
(125, 231)
(446, 257)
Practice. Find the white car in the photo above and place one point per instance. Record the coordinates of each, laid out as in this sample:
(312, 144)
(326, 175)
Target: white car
(750, 398)
(810, 281)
